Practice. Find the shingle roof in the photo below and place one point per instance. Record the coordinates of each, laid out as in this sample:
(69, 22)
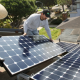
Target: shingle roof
(76, 31)
(70, 23)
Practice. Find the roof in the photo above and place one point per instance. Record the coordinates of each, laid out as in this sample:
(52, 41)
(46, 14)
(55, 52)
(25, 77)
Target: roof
(70, 23)
(76, 31)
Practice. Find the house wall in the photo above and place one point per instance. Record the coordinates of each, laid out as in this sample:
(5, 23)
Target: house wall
(75, 10)
(78, 12)
(73, 2)
(73, 14)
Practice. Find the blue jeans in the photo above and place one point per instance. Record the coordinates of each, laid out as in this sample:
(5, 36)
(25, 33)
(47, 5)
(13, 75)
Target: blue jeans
(34, 32)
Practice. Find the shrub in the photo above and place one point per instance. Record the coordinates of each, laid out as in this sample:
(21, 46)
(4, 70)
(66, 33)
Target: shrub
(1, 24)
(7, 26)
(56, 21)
(15, 28)
(17, 9)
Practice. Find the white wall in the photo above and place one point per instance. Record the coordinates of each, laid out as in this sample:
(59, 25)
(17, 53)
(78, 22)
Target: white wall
(75, 14)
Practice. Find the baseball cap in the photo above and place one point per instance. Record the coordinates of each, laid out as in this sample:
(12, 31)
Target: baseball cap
(46, 12)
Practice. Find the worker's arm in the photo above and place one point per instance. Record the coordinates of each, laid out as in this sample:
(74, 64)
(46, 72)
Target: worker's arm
(25, 28)
(49, 33)
(27, 24)
(46, 26)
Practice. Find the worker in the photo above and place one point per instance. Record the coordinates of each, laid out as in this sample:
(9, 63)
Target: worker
(36, 20)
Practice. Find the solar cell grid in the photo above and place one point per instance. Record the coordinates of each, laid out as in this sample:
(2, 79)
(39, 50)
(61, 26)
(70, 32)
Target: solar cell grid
(67, 46)
(23, 52)
(76, 50)
(66, 68)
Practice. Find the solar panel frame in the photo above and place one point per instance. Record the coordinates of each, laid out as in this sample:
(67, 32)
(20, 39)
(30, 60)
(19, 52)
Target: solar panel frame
(62, 69)
(11, 61)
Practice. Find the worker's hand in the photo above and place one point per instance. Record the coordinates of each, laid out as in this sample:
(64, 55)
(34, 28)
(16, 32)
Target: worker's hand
(24, 34)
(51, 40)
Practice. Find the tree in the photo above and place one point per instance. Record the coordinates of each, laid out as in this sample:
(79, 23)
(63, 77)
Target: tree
(39, 4)
(64, 2)
(47, 2)
(18, 9)
(55, 2)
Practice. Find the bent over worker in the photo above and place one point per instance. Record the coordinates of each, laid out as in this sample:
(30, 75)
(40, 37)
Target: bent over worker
(36, 20)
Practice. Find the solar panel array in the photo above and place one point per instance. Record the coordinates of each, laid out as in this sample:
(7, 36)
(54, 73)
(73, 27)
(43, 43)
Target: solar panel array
(67, 46)
(23, 52)
(66, 68)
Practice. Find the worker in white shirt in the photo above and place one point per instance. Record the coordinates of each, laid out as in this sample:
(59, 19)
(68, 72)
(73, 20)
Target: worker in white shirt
(36, 20)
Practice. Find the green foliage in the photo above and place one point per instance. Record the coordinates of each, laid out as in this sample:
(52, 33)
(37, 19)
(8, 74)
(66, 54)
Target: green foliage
(47, 2)
(1, 23)
(55, 2)
(15, 28)
(7, 21)
(39, 9)
(68, 14)
(19, 8)
(39, 4)
(7, 25)
(54, 33)
(56, 21)
(64, 2)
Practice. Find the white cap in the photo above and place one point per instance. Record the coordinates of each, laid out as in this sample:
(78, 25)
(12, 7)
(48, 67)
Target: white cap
(3, 12)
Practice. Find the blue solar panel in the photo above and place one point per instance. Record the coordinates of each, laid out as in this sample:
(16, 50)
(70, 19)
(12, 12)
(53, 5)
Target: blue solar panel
(66, 68)
(67, 46)
(23, 52)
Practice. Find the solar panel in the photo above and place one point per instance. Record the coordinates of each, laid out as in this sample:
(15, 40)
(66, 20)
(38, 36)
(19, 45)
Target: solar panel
(67, 46)
(66, 68)
(23, 52)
